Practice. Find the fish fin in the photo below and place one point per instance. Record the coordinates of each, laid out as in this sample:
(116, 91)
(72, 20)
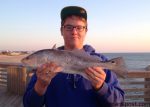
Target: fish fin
(122, 75)
(54, 46)
(84, 75)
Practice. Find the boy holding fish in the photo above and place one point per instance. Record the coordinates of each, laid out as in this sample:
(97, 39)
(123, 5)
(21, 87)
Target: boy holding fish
(53, 87)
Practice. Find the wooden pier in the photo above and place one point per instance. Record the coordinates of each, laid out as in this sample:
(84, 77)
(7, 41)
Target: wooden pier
(13, 82)
(14, 79)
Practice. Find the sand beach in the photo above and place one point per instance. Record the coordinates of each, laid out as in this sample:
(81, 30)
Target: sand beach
(12, 59)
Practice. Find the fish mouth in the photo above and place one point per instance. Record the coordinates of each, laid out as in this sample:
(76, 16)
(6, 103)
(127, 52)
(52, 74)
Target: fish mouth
(23, 61)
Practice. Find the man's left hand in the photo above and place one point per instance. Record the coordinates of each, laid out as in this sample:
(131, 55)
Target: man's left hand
(96, 75)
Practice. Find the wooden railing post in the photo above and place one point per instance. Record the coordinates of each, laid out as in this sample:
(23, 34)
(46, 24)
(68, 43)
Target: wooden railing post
(16, 79)
(147, 85)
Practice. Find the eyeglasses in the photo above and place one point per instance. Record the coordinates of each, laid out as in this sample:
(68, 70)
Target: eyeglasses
(78, 28)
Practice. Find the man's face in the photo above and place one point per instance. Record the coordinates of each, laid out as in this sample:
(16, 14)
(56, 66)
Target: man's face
(73, 32)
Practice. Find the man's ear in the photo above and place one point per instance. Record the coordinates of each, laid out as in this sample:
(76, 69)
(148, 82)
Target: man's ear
(86, 30)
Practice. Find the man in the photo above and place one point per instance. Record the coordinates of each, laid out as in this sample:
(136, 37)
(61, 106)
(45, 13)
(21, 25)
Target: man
(52, 88)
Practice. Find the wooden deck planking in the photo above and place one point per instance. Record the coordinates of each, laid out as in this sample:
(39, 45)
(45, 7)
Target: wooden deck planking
(8, 99)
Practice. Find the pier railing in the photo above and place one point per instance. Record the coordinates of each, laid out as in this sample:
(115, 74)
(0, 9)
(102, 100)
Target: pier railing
(136, 85)
(3, 76)
(15, 77)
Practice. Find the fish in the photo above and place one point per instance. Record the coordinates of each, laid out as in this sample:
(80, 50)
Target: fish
(74, 62)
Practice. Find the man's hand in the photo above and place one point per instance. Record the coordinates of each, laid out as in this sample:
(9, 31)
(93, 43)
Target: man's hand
(45, 74)
(96, 75)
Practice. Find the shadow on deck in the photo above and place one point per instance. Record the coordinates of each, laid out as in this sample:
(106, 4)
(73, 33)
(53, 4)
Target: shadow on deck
(8, 99)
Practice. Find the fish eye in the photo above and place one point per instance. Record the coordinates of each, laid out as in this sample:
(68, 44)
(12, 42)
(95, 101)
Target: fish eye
(112, 61)
(27, 58)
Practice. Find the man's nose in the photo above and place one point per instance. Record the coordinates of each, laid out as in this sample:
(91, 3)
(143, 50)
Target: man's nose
(74, 29)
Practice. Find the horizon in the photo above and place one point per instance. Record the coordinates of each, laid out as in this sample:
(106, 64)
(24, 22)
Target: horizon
(96, 51)
(113, 26)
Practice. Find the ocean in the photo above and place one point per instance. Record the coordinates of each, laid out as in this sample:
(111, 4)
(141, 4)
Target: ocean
(132, 60)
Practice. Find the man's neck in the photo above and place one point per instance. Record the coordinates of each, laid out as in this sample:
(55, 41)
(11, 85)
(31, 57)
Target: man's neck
(73, 48)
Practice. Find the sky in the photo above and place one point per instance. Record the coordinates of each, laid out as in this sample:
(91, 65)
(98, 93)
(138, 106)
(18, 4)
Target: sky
(113, 25)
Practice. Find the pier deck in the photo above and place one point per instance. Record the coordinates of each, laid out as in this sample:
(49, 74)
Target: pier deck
(8, 99)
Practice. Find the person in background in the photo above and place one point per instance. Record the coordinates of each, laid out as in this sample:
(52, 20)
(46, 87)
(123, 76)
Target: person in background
(52, 88)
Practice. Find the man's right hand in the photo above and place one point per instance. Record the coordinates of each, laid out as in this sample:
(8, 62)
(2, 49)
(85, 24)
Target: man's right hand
(45, 74)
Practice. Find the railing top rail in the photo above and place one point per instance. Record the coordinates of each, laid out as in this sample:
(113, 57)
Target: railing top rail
(138, 74)
(6, 64)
